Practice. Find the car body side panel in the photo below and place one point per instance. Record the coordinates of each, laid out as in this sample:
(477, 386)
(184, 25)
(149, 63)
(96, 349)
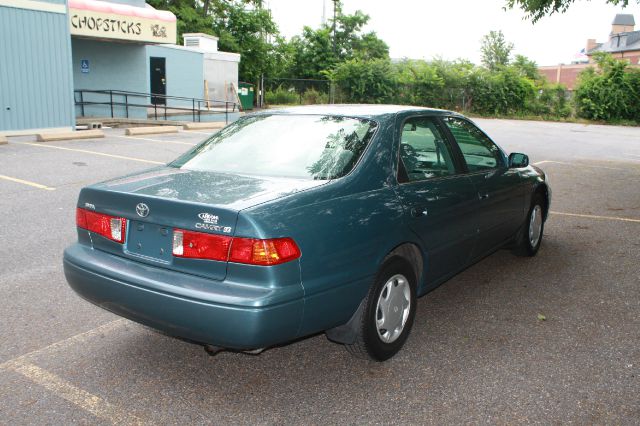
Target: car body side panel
(344, 230)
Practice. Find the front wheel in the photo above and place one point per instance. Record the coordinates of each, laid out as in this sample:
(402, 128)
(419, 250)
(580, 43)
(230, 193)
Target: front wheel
(530, 236)
(390, 308)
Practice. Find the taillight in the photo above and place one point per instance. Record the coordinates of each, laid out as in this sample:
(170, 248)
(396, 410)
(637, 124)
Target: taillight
(197, 245)
(263, 252)
(113, 228)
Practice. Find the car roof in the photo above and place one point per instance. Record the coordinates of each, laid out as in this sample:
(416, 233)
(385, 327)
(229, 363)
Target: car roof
(353, 110)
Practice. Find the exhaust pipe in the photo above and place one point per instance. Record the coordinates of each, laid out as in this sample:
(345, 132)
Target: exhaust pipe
(214, 350)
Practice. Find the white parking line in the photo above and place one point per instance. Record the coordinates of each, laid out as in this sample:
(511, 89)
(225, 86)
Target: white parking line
(152, 140)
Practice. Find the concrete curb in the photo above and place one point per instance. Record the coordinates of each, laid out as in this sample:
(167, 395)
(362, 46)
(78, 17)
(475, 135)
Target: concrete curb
(3, 140)
(206, 125)
(63, 136)
(134, 131)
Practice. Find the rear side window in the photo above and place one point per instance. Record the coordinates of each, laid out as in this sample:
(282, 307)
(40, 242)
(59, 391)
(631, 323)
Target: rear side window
(478, 150)
(295, 146)
(423, 151)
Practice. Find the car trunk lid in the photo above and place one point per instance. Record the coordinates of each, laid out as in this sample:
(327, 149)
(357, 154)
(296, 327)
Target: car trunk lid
(158, 201)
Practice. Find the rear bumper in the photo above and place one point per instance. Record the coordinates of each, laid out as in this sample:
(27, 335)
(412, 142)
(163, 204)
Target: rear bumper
(221, 313)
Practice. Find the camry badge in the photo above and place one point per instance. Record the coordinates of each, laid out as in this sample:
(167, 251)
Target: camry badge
(142, 209)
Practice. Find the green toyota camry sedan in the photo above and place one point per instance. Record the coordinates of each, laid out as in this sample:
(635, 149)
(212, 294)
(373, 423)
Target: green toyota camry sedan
(314, 219)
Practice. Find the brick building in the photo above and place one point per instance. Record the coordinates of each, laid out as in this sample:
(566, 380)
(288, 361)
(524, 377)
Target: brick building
(623, 43)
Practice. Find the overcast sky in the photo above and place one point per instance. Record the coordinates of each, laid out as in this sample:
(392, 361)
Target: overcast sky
(453, 29)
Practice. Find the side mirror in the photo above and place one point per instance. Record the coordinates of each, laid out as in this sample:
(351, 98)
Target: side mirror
(517, 160)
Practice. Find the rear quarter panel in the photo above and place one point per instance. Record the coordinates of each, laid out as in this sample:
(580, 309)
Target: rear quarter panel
(344, 230)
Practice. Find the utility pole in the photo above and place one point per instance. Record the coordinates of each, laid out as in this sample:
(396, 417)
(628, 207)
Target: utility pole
(335, 8)
(332, 88)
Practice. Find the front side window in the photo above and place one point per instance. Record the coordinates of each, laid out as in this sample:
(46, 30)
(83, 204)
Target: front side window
(423, 151)
(295, 146)
(479, 152)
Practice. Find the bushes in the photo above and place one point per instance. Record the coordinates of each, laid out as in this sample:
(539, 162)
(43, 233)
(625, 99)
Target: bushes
(503, 92)
(611, 92)
(289, 96)
(364, 81)
(281, 96)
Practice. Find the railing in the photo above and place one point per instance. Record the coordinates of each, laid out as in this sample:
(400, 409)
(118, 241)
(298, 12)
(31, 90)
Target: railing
(120, 103)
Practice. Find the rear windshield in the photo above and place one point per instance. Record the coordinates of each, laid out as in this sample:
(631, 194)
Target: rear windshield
(297, 146)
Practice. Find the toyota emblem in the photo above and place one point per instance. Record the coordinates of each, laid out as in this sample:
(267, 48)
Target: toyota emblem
(142, 209)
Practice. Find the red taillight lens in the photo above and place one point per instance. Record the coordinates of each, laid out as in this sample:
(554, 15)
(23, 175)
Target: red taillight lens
(113, 228)
(197, 245)
(263, 252)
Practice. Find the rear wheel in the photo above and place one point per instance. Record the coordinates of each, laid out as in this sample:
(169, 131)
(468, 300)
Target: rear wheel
(390, 308)
(530, 236)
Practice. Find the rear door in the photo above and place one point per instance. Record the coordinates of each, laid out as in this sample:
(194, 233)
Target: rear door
(438, 197)
(499, 189)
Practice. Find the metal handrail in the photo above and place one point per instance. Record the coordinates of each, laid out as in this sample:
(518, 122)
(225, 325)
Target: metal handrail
(196, 107)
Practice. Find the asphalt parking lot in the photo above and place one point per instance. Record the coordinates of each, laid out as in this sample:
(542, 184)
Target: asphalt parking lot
(479, 351)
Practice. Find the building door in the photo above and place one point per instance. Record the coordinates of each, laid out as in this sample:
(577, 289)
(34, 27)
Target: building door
(158, 80)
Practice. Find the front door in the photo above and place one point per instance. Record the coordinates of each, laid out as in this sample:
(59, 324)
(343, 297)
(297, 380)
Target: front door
(439, 199)
(500, 191)
(158, 80)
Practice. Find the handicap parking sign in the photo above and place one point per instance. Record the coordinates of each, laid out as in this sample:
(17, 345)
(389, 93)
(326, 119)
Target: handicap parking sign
(84, 65)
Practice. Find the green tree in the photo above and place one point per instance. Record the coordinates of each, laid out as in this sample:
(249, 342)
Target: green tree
(247, 29)
(536, 9)
(314, 53)
(526, 67)
(496, 51)
(242, 26)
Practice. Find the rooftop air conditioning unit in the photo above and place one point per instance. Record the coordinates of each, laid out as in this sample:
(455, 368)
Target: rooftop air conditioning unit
(205, 42)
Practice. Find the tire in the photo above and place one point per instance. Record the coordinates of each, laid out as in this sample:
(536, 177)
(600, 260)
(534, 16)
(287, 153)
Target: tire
(529, 237)
(393, 290)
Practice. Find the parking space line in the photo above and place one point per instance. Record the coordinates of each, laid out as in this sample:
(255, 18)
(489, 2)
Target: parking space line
(200, 133)
(589, 216)
(63, 389)
(547, 161)
(27, 182)
(575, 164)
(152, 140)
(122, 157)
(70, 341)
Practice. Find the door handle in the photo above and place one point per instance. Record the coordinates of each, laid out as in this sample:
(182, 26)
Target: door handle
(483, 195)
(419, 211)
